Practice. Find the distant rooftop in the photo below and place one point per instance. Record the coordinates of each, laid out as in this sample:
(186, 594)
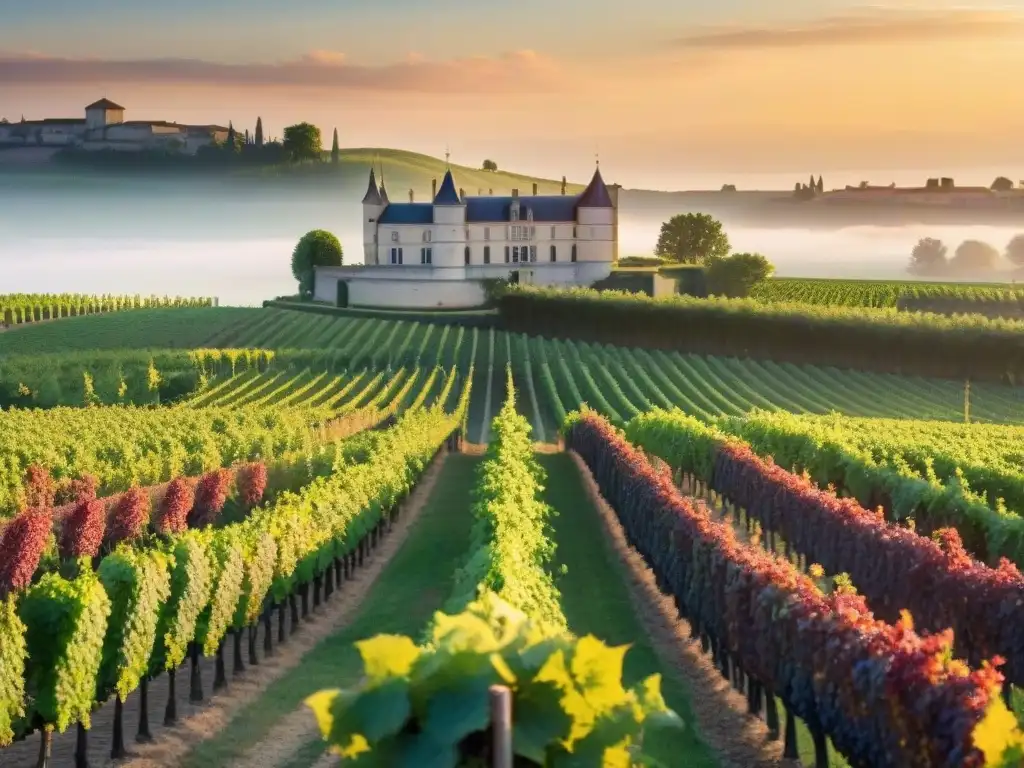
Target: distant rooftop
(104, 104)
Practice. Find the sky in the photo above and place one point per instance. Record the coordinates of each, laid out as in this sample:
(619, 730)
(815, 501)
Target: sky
(670, 94)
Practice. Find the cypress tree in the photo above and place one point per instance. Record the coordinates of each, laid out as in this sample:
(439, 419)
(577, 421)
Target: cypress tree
(231, 135)
(335, 151)
(259, 131)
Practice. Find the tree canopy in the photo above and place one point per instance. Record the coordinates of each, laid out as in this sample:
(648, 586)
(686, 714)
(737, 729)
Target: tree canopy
(302, 141)
(928, 257)
(490, 165)
(1015, 250)
(316, 248)
(692, 238)
(1002, 184)
(734, 276)
(974, 256)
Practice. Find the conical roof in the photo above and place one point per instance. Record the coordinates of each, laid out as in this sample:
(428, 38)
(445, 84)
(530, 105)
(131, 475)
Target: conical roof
(596, 194)
(372, 196)
(447, 194)
(384, 194)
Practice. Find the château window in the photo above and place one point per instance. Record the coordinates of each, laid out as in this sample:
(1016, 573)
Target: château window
(394, 236)
(487, 254)
(426, 255)
(533, 253)
(553, 230)
(574, 231)
(554, 253)
(513, 212)
(515, 254)
(426, 236)
(574, 251)
(467, 255)
(487, 233)
(396, 255)
(507, 254)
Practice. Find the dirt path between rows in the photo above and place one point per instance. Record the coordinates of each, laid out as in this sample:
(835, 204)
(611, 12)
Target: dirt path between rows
(298, 727)
(199, 722)
(738, 740)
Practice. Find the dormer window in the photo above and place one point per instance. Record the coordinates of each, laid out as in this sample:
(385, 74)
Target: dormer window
(513, 212)
(394, 236)
(529, 214)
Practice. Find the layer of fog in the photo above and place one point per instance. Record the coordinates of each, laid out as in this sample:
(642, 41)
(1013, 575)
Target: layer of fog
(236, 245)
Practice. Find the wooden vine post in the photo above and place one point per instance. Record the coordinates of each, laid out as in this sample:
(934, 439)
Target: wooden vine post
(501, 726)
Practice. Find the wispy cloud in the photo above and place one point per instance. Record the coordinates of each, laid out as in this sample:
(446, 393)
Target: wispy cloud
(518, 71)
(874, 26)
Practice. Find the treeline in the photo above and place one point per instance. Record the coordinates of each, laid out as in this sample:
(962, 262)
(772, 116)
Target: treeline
(302, 143)
(962, 347)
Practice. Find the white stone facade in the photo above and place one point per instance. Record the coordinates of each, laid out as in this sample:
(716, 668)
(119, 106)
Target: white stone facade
(436, 255)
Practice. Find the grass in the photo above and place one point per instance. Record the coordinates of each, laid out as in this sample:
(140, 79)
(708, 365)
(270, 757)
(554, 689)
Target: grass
(596, 600)
(412, 586)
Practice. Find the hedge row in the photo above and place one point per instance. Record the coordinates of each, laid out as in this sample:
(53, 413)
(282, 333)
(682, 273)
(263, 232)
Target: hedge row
(961, 347)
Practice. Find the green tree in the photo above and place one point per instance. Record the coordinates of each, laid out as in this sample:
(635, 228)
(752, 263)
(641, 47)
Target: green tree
(490, 165)
(734, 276)
(335, 151)
(1002, 184)
(974, 256)
(1015, 250)
(928, 257)
(303, 142)
(259, 131)
(317, 248)
(691, 238)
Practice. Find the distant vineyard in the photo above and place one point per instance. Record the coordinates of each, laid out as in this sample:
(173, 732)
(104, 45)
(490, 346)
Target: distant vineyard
(17, 308)
(917, 296)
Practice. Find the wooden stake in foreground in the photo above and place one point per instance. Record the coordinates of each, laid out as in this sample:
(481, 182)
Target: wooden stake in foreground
(501, 726)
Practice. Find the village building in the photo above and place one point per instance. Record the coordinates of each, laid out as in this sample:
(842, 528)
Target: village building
(439, 254)
(104, 127)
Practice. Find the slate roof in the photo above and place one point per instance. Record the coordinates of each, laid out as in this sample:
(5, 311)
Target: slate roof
(408, 213)
(104, 104)
(383, 192)
(544, 207)
(372, 196)
(596, 194)
(447, 194)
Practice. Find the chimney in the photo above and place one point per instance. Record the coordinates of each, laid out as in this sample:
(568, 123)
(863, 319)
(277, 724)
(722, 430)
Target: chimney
(563, 185)
(433, 188)
(412, 196)
(515, 193)
(490, 191)
(462, 194)
(535, 189)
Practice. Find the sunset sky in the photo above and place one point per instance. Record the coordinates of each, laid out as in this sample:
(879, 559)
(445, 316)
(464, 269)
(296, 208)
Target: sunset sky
(671, 93)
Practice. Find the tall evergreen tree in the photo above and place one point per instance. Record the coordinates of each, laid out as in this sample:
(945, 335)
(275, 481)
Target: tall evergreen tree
(231, 135)
(821, 185)
(335, 151)
(813, 185)
(259, 131)
(246, 137)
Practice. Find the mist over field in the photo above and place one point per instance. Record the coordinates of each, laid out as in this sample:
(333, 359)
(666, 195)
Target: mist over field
(233, 240)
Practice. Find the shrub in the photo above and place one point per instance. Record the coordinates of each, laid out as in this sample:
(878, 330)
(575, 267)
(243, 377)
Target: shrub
(175, 506)
(22, 544)
(82, 530)
(317, 248)
(251, 482)
(130, 516)
(734, 276)
(40, 490)
(211, 493)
